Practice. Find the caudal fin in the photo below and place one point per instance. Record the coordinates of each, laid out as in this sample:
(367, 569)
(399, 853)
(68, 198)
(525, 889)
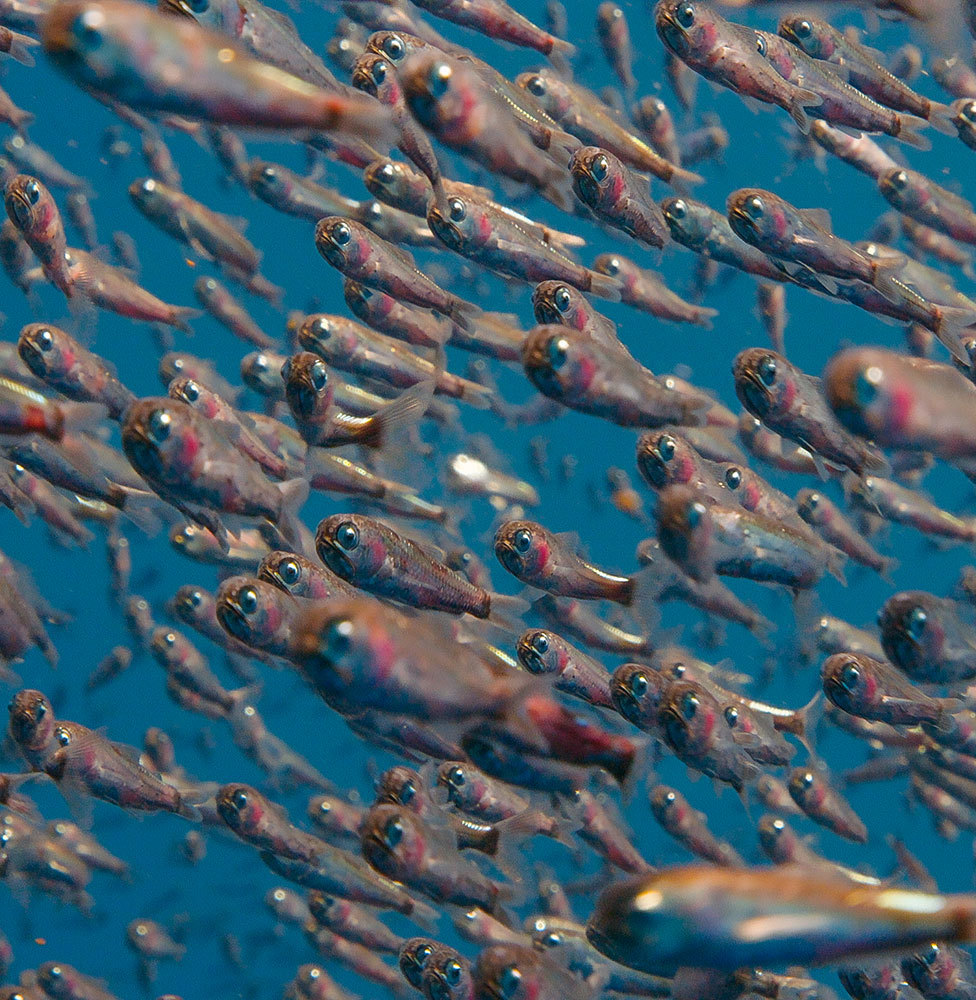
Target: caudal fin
(401, 413)
(605, 286)
(910, 131)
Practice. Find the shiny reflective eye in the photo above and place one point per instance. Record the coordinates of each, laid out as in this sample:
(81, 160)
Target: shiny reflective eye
(347, 536)
(88, 29)
(509, 981)
(408, 792)
(733, 478)
(341, 234)
(754, 207)
(599, 168)
(55, 972)
(378, 72)
(540, 643)
(337, 638)
(170, 639)
(930, 954)
(850, 676)
(392, 832)
(807, 780)
(247, 600)
(689, 705)
(760, 44)
(558, 351)
(899, 180)
(612, 266)
(62, 735)
(456, 777)
(44, 340)
(198, 6)
(803, 29)
(562, 299)
(695, 513)
(685, 15)
(731, 714)
(678, 209)
(767, 370)
(536, 85)
(968, 113)
(191, 392)
(866, 387)
(522, 540)
(438, 80)
(915, 622)
(289, 571)
(239, 799)
(32, 191)
(159, 425)
(665, 448)
(553, 939)
(318, 375)
(813, 501)
(394, 48)
(457, 209)
(452, 972)
(269, 174)
(638, 685)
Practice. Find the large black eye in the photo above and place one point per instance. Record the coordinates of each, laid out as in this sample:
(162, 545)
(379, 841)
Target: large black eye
(915, 622)
(347, 536)
(456, 777)
(32, 191)
(392, 832)
(767, 370)
(337, 638)
(198, 6)
(599, 168)
(803, 29)
(408, 792)
(807, 780)
(239, 799)
(760, 44)
(665, 448)
(562, 299)
(44, 340)
(522, 540)
(247, 600)
(540, 643)
(536, 85)
(678, 209)
(754, 207)
(341, 234)
(731, 716)
(394, 48)
(194, 599)
(689, 705)
(191, 392)
(269, 174)
(850, 676)
(457, 209)
(438, 80)
(813, 501)
(931, 954)
(968, 113)
(638, 685)
(899, 180)
(289, 571)
(319, 376)
(733, 478)
(378, 72)
(452, 972)
(612, 266)
(159, 425)
(62, 735)
(669, 800)
(558, 352)
(685, 15)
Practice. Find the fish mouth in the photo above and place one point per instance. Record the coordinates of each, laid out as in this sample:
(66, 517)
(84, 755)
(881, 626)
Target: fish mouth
(508, 557)
(445, 231)
(437, 986)
(361, 80)
(21, 208)
(302, 397)
(741, 222)
(653, 467)
(29, 347)
(333, 253)
(532, 661)
(335, 559)
(234, 620)
(546, 312)
(588, 188)
(625, 702)
(672, 34)
(758, 397)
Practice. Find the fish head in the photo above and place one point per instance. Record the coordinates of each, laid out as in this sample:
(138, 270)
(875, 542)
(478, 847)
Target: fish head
(813, 37)
(160, 437)
(448, 977)
(850, 681)
(764, 382)
(28, 203)
(555, 302)
(867, 395)
(508, 972)
(342, 242)
(524, 548)
(665, 459)
(331, 338)
(168, 647)
(396, 45)
(261, 372)
(598, 176)
(685, 530)
(460, 782)
(191, 603)
(808, 788)
(668, 806)
(251, 610)
(690, 222)
(777, 839)
(269, 181)
(243, 808)
(31, 720)
(414, 955)
(814, 507)
(913, 633)
(401, 786)
(392, 839)
(308, 388)
(559, 361)
(744, 485)
(392, 181)
(286, 571)
(761, 219)
(352, 546)
(462, 224)
(60, 981)
(689, 29)
(375, 74)
(636, 690)
(439, 91)
(326, 909)
(194, 394)
(47, 351)
(902, 188)
(690, 717)
(541, 651)
(547, 90)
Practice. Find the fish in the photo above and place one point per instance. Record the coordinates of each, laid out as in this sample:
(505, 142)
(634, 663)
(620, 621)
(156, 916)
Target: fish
(32, 209)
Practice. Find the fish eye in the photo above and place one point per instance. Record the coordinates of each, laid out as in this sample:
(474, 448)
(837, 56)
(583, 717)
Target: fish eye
(394, 47)
(930, 954)
(160, 423)
(338, 637)
(239, 799)
(678, 209)
(689, 705)
(695, 513)
(62, 735)
(915, 622)
(733, 478)
(387, 172)
(170, 639)
(522, 540)
(198, 6)
(553, 939)
(55, 972)
(813, 501)
(665, 448)
(392, 832)
(458, 210)
(194, 598)
(509, 980)
(767, 369)
(540, 643)
(850, 676)
(536, 85)
(289, 571)
(731, 714)
(407, 793)
(44, 340)
(754, 207)
(562, 299)
(378, 72)
(32, 190)
(438, 80)
(347, 536)
(456, 777)
(612, 266)
(803, 29)
(898, 180)
(685, 15)
(452, 972)
(247, 600)
(191, 392)
(599, 168)
(269, 174)
(638, 684)
(318, 376)
(807, 779)
(866, 386)
(341, 234)
(88, 29)
(558, 350)
(968, 113)
(760, 44)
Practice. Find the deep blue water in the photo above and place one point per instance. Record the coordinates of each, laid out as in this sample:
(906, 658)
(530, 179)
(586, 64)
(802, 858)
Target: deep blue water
(222, 894)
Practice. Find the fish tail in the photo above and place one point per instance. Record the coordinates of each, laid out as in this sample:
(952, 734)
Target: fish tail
(910, 131)
(293, 495)
(950, 324)
(180, 315)
(942, 116)
(681, 178)
(22, 121)
(401, 413)
(419, 912)
(801, 100)
(20, 49)
(560, 48)
(605, 286)
(506, 610)
(461, 312)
